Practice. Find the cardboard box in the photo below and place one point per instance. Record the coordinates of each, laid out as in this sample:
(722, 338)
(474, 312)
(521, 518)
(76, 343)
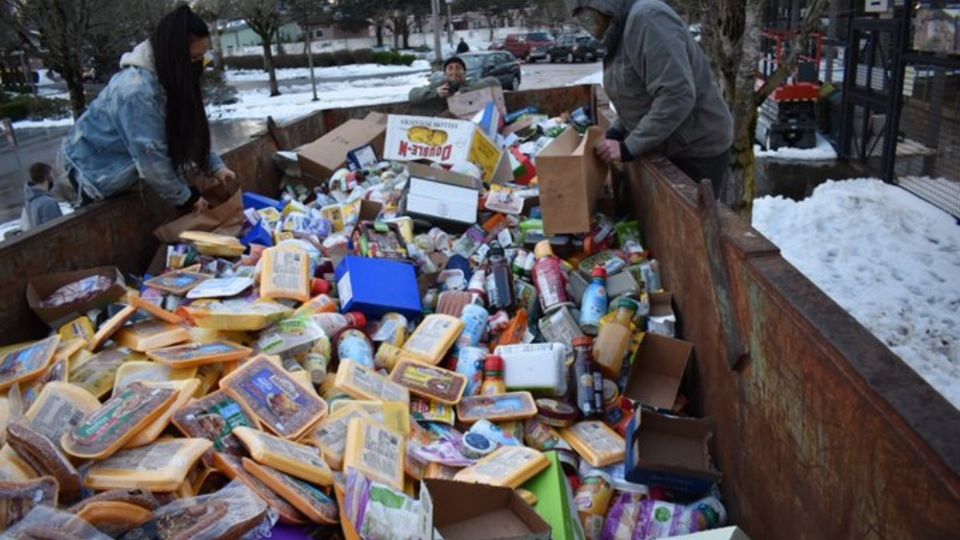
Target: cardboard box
(555, 500)
(661, 319)
(657, 370)
(440, 140)
(571, 177)
(41, 287)
(420, 170)
(726, 533)
(670, 451)
(460, 511)
(442, 197)
(321, 158)
(466, 104)
(378, 286)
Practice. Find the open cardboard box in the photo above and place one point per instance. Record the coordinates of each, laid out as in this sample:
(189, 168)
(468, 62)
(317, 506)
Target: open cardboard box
(657, 370)
(462, 511)
(41, 287)
(726, 533)
(661, 319)
(321, 158)
(571, 177)
(464, 105)
(670, 451)
(442, 197)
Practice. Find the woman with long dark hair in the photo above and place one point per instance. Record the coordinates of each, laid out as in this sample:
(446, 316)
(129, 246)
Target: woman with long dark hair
(149, 121)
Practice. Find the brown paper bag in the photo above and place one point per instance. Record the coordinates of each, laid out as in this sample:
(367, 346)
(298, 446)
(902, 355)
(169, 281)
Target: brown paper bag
(224, 219)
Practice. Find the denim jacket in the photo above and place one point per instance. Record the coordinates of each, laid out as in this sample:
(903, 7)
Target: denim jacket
(121, 137)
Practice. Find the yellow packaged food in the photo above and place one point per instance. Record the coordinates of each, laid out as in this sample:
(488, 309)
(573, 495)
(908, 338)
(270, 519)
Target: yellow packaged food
(498, 408)
(139, 371)
(299, 460)
(433, 338)
(140, 303)
(431, 382)
(178, 282)
(58, 409)
(376, 452)
(97, 373)
(13, 468)
(110, 327)
(236, 315)
(26, 362)
(305, 497)
(81, 328)
(362, 383)
(330, 435)
(507, 466)
(216, 245)
(185, 389)
(159, 466)
(285, 274)
(596, 442)
(148, 335)
(198, 354)
(393, 414)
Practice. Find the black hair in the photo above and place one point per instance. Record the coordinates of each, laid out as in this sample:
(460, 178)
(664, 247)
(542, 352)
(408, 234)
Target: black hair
(188, 133)
(39, 172)
(455, 60)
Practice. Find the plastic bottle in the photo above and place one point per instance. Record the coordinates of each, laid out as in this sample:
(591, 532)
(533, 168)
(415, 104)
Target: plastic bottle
(476, 285)
(594, 305)
(333, 323)
(493, 384)
(356, 346)
(584, 375)
(474, 317)
(318, 304)
(515, 330)
(518, 261)
(549, 279)
(613, 340)
(500, 290)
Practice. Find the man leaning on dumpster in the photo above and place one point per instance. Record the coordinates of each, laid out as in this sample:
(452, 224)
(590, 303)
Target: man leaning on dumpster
(660, 83)
(454, 80)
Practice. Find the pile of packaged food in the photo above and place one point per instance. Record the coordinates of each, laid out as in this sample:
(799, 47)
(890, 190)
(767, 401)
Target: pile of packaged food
(402, 352)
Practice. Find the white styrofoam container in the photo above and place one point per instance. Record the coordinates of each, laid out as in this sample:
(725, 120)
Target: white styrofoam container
(539, 367)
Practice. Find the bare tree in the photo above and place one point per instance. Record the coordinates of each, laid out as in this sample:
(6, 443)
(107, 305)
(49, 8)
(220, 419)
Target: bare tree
(264, 17)
(217, 13)
(730, 31)
(307, 14)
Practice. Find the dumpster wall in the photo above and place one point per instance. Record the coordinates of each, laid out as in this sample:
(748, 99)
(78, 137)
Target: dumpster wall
(823, 432)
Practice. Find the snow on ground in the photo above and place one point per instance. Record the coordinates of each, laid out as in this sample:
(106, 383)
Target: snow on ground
(327, 72)
(887, 257)
(45, 123)
(822, 152)
(296, 100)
(593, 78)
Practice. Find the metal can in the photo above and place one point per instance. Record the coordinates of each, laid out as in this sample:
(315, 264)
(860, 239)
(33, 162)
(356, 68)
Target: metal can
(592, 500)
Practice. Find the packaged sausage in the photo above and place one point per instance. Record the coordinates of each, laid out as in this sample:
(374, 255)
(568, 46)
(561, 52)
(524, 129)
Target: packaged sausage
(59, 407)
(185, 390)
(498, 408)
(159, 466)
(43, 522)
(17, 499)
(213, 417)
(430, 382)
(293, 458)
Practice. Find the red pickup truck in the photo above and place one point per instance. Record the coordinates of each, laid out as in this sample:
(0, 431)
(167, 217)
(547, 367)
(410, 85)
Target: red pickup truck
(531, 46)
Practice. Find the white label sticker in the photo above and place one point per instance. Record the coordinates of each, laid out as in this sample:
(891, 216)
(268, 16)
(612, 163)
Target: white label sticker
(345, 289)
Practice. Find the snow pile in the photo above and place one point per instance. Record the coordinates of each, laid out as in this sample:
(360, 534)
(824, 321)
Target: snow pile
(887, 257)
(297, 101)
(822, 152)
(45, 123)
(593, 78)
(356, 70)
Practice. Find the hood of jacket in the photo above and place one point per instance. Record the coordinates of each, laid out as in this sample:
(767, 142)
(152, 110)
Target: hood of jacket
(617, 10)
(141, 56)
(30, 193)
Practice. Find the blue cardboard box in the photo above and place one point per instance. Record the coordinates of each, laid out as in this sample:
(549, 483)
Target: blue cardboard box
(378, 286)
(259, 202)
(670, 451)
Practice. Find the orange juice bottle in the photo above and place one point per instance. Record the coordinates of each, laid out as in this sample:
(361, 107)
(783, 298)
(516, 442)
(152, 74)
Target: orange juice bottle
(515, 331)
(613, 341)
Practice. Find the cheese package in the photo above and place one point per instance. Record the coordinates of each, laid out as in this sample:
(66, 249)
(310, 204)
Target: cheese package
(430, 382)
(278, 401)
(159, 466)
(114, 517)
(13, 468)
(81, 328)
(147, 335)
(208, 479)
(238, 315)
(433, 338)
(597, 443)
(110, 327)
(46, 459)
(498, 408)
(376, 452)
(66, 349)
(330, 435)
(209, 375)
(97, 373)
(141, 303)
(232, 466)
(285, 274)
(178, 282)
(185, 390)
(106, 430)
(23, 363)
(393, 414)
(214, 245)
(305, 497)
(293, 458)
(198, 354)
(360, 382)
(58, 409)
(508, 466)
(139, 371)
(55, 372)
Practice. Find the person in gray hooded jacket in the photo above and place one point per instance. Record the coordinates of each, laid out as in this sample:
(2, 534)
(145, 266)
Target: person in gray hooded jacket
(660, 83)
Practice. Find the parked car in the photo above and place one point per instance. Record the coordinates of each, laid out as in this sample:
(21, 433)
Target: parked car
(530, 47)
(496, 45)
(499, 64)
(574, 48)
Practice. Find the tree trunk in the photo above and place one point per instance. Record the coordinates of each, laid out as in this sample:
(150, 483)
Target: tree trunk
(490, 24)
(218, 47)
(268, 62)
(406, 34)
(280, 51)
(379, 31)
(74, 80)
(742, 181)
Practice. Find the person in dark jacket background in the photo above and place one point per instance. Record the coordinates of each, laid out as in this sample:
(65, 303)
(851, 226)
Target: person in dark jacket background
(462, 47)
(39, 206)
(660, 83)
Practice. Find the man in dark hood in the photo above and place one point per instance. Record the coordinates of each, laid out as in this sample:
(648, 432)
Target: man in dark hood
(660, 84)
